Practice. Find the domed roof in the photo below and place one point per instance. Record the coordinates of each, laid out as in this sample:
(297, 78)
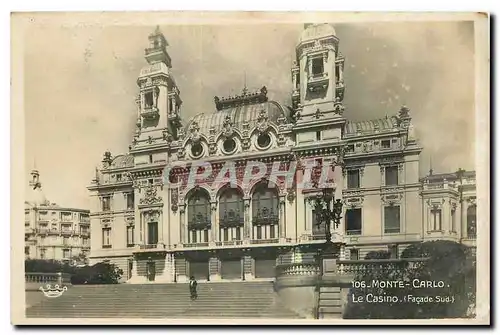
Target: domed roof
(36, 197)
(370, 126)
(316, 31)
(122, 161)
(238, 115)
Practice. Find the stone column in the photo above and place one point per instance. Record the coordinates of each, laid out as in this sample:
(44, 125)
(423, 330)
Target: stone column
(160, 227)
(247, 223)
(213, 219)
(182, 224)
(463, 218)
(282, 232)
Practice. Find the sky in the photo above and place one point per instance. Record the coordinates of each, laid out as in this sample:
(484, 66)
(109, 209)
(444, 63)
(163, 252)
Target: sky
(80, 86)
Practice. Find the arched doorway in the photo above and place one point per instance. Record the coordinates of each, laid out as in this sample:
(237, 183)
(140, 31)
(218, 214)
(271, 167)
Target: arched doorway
(199, 226)
(231, 223)
(265, 222)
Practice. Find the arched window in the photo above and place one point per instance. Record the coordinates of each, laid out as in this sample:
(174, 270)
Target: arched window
(199, 217)
(231, 217)
(471, 221)
(264, 212)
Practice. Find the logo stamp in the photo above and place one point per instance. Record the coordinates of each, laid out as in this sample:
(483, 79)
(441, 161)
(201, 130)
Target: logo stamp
(55, 292)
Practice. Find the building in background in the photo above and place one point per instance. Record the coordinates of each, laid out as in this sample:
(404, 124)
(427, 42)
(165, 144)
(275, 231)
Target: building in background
(167, 231)
(51, 231)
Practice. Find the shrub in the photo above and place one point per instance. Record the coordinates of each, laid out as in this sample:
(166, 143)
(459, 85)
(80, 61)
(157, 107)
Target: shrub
(449, 262)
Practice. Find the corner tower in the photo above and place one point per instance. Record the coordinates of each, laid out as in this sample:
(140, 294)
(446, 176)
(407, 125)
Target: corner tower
(317, 74)
(158, 102)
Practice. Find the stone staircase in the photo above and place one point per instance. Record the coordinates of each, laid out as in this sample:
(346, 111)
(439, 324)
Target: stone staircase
(215, 300)
(330, 303)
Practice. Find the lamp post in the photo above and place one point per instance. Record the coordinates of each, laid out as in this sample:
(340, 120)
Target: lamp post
(327, 211)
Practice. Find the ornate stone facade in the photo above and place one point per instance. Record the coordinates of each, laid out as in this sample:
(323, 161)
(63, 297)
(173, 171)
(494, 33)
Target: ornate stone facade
(170, 226)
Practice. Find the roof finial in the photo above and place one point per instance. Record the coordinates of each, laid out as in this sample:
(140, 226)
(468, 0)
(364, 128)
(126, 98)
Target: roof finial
(245, 90)
(157, 30)
(430, 166)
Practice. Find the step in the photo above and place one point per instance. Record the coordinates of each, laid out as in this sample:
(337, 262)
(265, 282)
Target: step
(330, 310)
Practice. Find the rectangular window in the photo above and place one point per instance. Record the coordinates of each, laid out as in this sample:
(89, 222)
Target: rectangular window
(42, 253)
(130, 200)
(353, 178)
(66, 254)
(152, 232)
(130, 236)
(354, 254)
(65, 241)
(392, 219)
(85, 241)
(150, 159)
(436, 219)
(453, 220)
(238, 234)
(317, 66)
(259, 232)
(106, 203)
(385, 144)
(317, 230)
(27, 250)
(353, 221)
(318, 136)
(170, 105)
(394, 251)
(337, 73)
(106, 237)
(226, 234)
(148, 99)
(119, 177)
(391, 175)
(194, 236)
(66, 216)
(205, 235)
(272, 232)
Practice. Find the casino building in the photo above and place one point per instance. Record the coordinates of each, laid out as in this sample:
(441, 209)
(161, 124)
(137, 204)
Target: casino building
(150, 221)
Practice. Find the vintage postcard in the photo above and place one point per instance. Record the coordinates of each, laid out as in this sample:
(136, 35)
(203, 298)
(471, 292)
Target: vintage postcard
(250, 168)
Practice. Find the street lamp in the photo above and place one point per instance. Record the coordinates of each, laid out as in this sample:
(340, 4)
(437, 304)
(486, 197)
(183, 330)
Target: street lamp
(327, 210)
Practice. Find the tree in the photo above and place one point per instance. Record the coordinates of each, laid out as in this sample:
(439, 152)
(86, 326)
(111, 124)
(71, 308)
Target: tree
(100, 273)
(449, 265)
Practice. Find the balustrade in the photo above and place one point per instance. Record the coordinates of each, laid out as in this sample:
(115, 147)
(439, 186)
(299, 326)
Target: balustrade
(38, 277)
(297, 269)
